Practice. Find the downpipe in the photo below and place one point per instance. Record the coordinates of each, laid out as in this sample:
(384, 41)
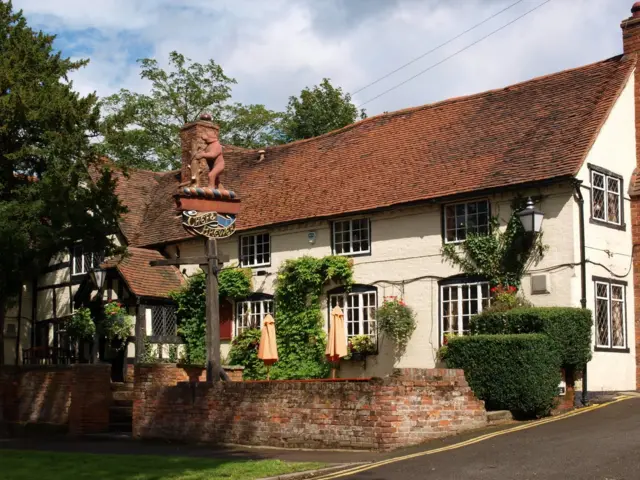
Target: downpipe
(583, 274)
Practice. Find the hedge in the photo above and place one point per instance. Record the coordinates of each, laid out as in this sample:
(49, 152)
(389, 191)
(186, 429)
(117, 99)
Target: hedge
(520, 373)
(568, 328)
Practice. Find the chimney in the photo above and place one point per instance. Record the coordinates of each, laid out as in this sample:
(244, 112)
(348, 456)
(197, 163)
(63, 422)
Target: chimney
(191, 140)
(631, 46)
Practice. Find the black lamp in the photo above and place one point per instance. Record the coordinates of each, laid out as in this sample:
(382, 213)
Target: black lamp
(531, 218)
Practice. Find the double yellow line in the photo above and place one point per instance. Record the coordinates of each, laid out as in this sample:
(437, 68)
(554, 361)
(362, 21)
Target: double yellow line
(481, 438)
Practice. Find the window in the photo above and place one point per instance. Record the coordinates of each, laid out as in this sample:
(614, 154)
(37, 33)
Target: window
(606, 189)
(164, 321)
(250, 313)
(351, 237)
(610, 314)
(359, 307)
(461, 219)
(255, 250)
(458, 303)
(82, 262)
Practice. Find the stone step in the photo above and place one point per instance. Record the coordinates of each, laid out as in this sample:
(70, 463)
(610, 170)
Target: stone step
(122, 403)
(120, 414)
(123, 395)
(124, 427)
(120, 386)
(499, 417)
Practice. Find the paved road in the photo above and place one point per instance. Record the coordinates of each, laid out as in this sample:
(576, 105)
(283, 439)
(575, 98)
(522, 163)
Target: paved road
(600, 445)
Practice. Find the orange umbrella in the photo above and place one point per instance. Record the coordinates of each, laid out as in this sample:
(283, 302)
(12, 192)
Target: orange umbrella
(268, 349)
(336, 343)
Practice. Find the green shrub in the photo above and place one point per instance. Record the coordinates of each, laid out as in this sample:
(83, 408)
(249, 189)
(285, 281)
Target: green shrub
(244, 351)
(519, 373)
(568, 328)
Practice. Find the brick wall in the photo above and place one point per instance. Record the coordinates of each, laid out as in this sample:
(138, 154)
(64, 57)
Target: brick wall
(90, 399)
(67, 397)
(410, 408)
(169, 374)
(631, 43)
(36, 395)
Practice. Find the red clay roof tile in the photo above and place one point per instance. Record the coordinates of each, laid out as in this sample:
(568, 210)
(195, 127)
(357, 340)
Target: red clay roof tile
(533, 131)
(142, 279)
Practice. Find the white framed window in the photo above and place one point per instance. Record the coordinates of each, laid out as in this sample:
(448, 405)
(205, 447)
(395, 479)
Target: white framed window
(351, 237)
(610, 302)
(606, 198)
(359, 308)
(461, 219)
(458, 303)
(250, 313)
(255, 250)
(82, 262)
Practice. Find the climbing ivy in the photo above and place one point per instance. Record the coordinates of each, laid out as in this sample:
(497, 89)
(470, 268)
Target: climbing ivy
(234, 283)
(503, 255)
(299, 327)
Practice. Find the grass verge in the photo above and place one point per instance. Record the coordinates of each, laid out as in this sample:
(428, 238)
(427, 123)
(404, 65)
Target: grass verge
(29, 465)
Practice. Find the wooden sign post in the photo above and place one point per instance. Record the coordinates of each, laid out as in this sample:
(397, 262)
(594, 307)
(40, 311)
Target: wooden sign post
(210, 264)
(208, 212)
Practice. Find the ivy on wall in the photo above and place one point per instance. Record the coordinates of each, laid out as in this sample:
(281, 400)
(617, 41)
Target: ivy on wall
(234, 283)
(503, 255)
(299, 326)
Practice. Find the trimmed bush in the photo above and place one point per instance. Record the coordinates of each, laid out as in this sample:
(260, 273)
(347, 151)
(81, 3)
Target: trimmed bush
(519, 373)
(569, 329)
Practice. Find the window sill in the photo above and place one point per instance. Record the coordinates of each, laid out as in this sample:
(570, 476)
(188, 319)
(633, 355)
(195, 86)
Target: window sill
(356, 254)
(611, 350)
(602, 223)
(253, 267)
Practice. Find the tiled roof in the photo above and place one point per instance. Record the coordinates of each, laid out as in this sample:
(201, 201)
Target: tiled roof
(538, 130)
(142, 279)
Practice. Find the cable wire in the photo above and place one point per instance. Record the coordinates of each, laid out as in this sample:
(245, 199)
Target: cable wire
(437, 48)
(454, 54)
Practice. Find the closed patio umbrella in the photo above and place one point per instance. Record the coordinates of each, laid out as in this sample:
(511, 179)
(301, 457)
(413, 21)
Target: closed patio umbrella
(337, 341)
(268, 349)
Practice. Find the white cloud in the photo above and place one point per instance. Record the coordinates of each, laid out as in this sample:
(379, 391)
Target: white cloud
(276, 48)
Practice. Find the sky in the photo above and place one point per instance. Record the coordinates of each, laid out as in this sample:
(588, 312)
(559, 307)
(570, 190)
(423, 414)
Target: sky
(275, 48)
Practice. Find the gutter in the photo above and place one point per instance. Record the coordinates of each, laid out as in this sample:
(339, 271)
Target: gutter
(583, 273)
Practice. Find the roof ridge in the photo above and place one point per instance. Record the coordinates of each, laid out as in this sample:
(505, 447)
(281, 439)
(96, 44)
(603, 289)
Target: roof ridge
(438, 103)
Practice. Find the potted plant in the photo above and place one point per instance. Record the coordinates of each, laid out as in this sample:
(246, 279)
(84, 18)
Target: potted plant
(397, 322)
(117, 325)
(360, 346)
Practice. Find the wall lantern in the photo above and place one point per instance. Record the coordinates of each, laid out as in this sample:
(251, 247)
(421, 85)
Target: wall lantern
(531, 218)
(98, 277)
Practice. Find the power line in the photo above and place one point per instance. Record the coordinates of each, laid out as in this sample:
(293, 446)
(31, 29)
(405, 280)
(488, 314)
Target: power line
(454, 54)
(437, 48)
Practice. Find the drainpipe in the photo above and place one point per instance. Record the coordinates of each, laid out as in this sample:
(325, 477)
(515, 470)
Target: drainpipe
(583, 274)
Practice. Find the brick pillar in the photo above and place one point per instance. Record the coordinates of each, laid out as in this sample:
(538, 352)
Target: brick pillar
(90, 399)
(631, 41)
(191, 140)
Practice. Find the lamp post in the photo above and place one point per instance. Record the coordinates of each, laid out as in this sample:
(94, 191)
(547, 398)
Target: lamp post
(98, 276)
(531, 218)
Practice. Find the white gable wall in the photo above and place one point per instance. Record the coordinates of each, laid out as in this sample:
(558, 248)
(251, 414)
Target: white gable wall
(614, 150)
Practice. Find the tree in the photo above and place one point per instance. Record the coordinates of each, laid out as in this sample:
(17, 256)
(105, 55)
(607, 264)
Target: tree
(319, 110)
(142, 130)
(54, 189)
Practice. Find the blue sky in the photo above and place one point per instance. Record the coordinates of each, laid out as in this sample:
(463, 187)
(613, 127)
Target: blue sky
(275, 48)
